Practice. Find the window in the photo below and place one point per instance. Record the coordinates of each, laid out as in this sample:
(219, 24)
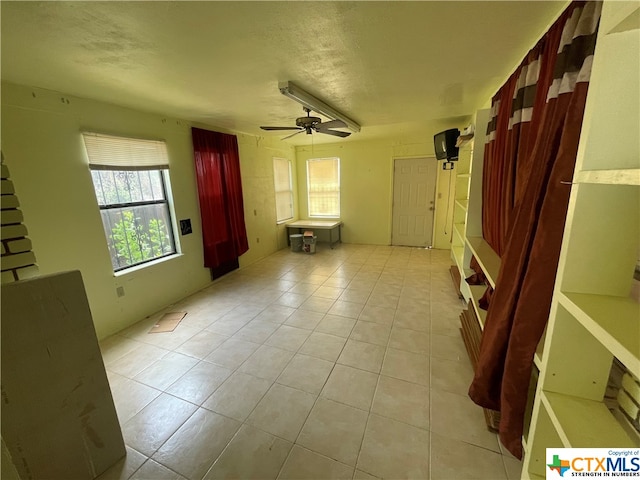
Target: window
(323, 186)
(283, 189)
(130, 179)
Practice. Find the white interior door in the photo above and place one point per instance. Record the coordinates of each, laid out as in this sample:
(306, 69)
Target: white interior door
(414, 189)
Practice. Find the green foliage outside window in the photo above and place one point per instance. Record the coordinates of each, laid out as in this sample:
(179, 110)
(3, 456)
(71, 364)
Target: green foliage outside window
(136, 241)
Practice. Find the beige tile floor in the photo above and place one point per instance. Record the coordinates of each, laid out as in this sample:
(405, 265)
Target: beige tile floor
(345, 364)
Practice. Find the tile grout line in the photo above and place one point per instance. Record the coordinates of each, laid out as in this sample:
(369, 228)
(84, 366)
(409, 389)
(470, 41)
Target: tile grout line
(244, 422)
(375, 391)
(295, 442)
(296, 352)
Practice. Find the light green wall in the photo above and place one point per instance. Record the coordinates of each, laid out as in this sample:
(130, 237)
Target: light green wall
(45, 153)
(366, 190)
(256, 163)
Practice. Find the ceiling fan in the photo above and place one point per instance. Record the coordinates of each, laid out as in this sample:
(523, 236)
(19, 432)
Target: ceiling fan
(309, 124)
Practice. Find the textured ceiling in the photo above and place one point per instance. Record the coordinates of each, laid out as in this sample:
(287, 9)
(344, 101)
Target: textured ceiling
(394, 67)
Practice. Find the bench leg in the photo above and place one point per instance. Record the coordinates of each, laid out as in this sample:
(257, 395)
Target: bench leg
(332, 243)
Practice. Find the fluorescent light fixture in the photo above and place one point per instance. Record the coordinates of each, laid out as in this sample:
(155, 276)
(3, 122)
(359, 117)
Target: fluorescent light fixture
(291, 90)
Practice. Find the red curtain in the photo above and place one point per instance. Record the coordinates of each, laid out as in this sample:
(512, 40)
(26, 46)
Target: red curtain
(511, 135)
(529, 162)
(224, 235)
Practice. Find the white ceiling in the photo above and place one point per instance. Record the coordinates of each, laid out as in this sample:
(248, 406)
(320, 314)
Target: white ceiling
(394, 67)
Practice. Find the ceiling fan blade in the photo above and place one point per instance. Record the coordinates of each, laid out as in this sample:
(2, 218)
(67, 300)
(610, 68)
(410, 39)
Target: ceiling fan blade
(281, 128)
(335, 133)
(332, 124)
(293, 134)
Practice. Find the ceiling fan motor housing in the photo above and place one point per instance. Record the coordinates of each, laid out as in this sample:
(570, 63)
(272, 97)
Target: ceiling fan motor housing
(308, 122)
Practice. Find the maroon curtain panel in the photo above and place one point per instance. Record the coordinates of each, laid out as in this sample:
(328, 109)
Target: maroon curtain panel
(511, 134)
(224, 235)
(536, 165)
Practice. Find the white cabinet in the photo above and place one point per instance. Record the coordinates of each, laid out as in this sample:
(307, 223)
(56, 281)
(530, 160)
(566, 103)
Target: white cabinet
(462, 176)
(467, 240)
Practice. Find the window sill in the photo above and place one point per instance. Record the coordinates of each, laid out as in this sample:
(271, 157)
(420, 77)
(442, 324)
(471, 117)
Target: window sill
(142, 266)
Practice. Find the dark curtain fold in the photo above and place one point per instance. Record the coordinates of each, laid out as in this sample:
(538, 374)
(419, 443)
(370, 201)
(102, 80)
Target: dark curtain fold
(224, 235)
(539, 172)
(516, 119)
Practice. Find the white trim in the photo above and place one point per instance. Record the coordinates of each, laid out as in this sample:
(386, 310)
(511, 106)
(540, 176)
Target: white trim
(150, 263)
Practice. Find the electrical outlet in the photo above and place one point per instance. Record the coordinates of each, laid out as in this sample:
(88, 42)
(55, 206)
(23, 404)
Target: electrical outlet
(258, 240)
(120, 291)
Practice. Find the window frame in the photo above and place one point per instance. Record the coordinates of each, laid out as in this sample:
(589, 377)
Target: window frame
(163, 198)
(338, 191)
(290, 189)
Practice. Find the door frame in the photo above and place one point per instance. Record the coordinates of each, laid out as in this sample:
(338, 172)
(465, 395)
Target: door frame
(435, 194)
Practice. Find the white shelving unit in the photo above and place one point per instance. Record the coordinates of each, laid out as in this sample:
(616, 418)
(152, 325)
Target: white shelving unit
(475, 245)
(467, 205)
(593, 319)
(467, 242)
(461, 204)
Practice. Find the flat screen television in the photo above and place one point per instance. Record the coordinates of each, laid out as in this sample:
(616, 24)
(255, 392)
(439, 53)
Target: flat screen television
(445, 144)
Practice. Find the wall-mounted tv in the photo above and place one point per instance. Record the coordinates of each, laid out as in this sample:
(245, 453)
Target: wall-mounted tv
(445, 144)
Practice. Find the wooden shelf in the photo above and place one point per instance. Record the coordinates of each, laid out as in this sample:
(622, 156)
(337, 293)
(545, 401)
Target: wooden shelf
(462, 203)
(486, 257)
(623, 18)
(530, 476)
(459, 229)
(477, 291)
(629, 176)
(592, 320)
(608, 113)
(584, 423)
(614, 321)
(458, 256)
(537, 357)
(459, 252)
(542, 435)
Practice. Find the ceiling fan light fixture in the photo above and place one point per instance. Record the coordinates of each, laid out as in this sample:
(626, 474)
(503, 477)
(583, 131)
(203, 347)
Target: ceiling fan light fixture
(291, 90)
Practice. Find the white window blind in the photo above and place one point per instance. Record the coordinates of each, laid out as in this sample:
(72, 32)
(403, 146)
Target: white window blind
(283, 189)
(323, 186)
(120, 153)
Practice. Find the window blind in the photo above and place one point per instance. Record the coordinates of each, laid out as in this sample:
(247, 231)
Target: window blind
(323, 180)
(120, 153)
